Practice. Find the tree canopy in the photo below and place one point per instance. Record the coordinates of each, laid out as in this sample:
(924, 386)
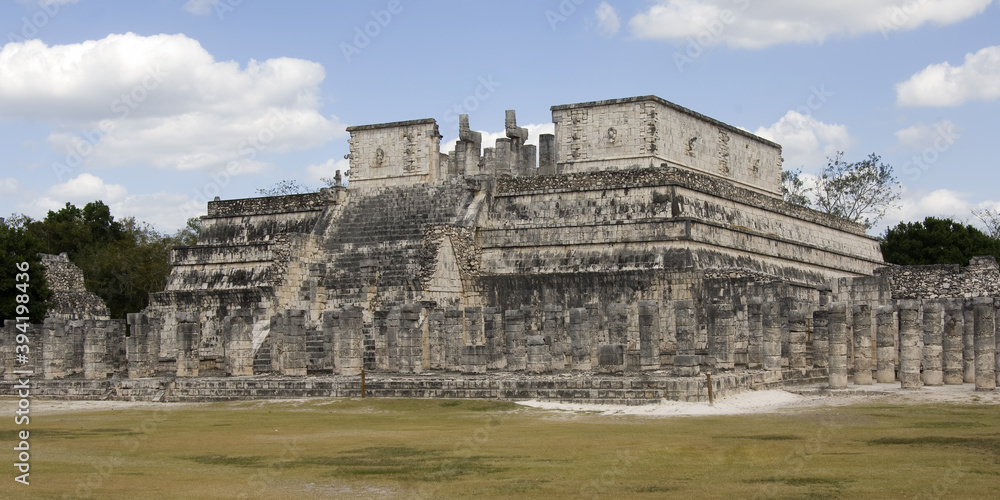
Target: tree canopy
(936, 241)
(861, 191)
(122, 260)
(18, 245)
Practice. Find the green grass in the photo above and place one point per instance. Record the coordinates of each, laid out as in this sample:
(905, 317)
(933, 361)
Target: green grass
(407, 448)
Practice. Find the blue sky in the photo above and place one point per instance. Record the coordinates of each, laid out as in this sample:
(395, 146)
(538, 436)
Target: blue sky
(157, 106)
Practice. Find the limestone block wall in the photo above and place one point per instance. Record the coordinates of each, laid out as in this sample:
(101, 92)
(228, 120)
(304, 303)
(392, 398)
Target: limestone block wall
(395, 153)
(981, 278)
(647, 131)
(70, 298)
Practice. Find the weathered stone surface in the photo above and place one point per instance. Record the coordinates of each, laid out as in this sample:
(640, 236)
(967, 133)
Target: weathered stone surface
(861, 318)
(910, 344)
(933, 368)
(886, 334)
(838, 345)
(985, 337)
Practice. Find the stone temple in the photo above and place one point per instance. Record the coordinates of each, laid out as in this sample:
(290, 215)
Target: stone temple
(638, 247)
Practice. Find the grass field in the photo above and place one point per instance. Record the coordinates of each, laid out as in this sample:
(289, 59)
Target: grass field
(338, 448)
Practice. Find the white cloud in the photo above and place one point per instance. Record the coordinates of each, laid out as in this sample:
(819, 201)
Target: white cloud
(86, 188)
(200, 7)
(921, 136)
(607, 20)
(9, 186)
(755, 25)
(978, 78)
(315, 173)
(806, 142)
(163, 100)
(941, 203)
(165, 211)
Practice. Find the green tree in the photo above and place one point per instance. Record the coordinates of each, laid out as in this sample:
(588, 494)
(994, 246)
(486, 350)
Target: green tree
(860, 192)
(284, 188)
(122, 260)
(188, 235)
(793, 190)
(18, 245)
(936, 241)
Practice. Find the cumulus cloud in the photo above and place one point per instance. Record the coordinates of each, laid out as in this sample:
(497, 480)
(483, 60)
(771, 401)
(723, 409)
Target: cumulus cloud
(163, 100)
(9, 186)
(86, 188)
(200, 7)
(755, 25)
(921, 136)
(317, 172)
(607, 20)
(806, 142)
(941, 203)
(978, 78)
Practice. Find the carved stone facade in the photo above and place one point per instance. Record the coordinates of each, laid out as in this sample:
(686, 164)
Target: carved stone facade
(640, 238)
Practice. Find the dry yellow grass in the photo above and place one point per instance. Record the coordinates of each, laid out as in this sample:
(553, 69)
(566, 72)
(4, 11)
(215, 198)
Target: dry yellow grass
(488, 449)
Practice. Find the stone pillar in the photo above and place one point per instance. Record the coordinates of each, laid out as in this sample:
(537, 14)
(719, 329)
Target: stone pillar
(474, 359)
(985, 336)
(821, 338)
(755, 327)
(496, 359)
(410, 339)
(188, 336)
(238, 333)
(345, 326)
(539, 357)
(291, 358)
(968, 344)
(649, 335)
(56, 349)
(454, 336)
(862, 320)
(933, 336)
(685, 362)
(838, 345)
(885, 338)
(996, 337)
(797, 335)
(513, 325)
(138, 346)
(619, 323)
(910, 344)
(721, 336)
(951, 342)
(771, 312)
(437, 340)
(554, 327)
(579, 338)
(95, 350)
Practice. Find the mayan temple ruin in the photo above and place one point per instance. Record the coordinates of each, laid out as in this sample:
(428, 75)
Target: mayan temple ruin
(636, 249)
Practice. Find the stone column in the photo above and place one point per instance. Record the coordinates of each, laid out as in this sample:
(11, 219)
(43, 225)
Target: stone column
(496, 359)
(649, 335)
(685, 362)
(513, 325)
(721, 336)
(292, 356)
(188, 339)
(885, 337)
(933, 337)
(95, 350)
(951, 342)
(579, 338)
(838, 345)
(755, 344)
(968, 344)
(996, 337)
(554, 327)
(862, 319)
(771, 312)
(985, 336)
(238, 331)
(138, 347)
(910, 344)
(345, 326)
(474, 359)
(410, 338)
(538, 356)
(821, 338)
(797, 335)
(454, 337)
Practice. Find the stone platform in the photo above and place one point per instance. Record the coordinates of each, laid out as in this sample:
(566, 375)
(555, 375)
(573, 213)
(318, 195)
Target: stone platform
(576, 388)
